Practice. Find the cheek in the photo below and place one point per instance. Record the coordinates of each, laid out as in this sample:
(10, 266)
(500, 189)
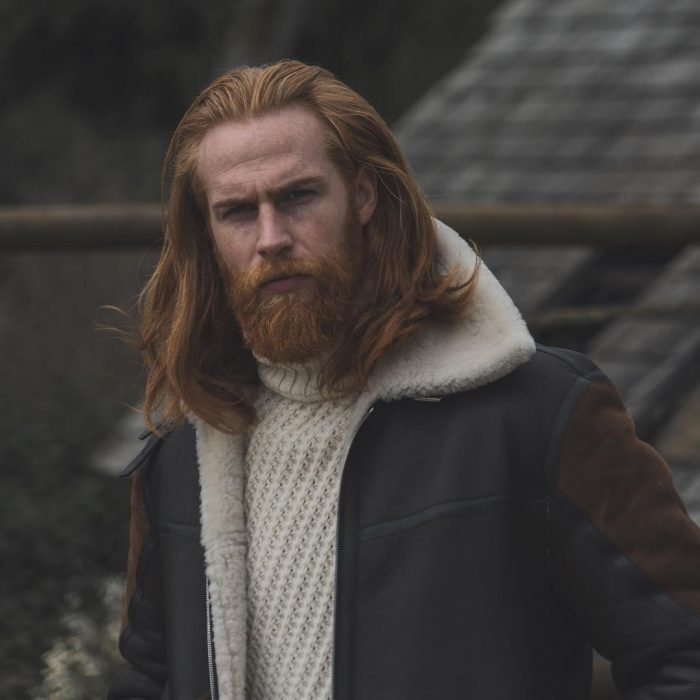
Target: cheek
(329, 233)
(231, 253)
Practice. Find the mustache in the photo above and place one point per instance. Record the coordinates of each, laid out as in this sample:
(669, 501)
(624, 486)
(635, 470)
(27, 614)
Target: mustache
(269, 270)
(279, 269)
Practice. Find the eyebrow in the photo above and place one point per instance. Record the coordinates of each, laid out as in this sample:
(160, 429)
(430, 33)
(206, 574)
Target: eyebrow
(273, 192)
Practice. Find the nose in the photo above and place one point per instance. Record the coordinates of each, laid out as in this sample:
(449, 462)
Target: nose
(273, 235)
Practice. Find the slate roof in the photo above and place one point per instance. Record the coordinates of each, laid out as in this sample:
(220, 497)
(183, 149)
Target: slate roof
(585, 101)
(653, 356)
(567, 100)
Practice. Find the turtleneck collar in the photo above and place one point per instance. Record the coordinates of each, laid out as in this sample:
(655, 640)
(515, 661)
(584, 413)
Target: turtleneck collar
(297, 382)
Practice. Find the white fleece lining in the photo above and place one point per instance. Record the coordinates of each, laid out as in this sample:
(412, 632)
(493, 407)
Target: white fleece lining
(222, 485)
(446, 358)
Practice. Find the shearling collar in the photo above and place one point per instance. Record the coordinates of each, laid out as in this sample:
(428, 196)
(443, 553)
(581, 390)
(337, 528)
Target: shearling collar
(446, 358)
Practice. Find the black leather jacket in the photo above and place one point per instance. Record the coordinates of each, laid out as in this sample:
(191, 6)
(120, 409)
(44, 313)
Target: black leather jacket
(486, 542)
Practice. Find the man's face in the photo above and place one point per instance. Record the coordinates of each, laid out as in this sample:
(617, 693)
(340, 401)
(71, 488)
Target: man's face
(287, 229)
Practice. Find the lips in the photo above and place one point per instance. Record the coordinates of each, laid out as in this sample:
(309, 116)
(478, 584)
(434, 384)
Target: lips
(283, 283)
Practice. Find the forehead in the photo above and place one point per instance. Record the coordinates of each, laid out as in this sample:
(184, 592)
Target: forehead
(284, 144)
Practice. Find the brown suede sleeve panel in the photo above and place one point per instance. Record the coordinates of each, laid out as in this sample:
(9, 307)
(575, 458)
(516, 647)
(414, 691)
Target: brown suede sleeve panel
(624, 488)
(138, 532)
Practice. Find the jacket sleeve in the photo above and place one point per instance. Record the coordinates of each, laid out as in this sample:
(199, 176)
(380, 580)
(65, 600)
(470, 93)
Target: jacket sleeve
(142, 641)
(626, 553)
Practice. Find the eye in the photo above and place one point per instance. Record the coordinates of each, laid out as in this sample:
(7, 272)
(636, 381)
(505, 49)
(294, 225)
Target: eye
(238, 211)
(298, 194)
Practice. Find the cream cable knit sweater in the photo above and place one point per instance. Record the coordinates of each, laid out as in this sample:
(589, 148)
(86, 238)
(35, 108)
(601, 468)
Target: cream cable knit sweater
(293, 467)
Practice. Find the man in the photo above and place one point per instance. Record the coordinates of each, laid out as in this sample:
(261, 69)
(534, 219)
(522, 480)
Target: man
(366, 482)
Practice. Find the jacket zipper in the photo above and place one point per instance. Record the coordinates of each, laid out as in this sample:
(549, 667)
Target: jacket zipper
(210, 646)
(337, 548)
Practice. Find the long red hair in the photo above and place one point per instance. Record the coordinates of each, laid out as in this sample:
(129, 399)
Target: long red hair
(195, 354)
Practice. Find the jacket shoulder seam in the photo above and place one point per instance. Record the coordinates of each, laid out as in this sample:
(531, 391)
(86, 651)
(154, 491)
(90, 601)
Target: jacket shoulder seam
(153, 443)
(593, 373)
(571, 398)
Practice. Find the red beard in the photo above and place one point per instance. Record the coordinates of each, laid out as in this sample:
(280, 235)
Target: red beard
(303, 324)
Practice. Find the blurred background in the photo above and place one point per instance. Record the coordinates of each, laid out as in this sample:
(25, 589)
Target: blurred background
(563, 137)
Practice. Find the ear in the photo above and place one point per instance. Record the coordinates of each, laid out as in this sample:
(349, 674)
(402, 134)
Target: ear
(365, 195)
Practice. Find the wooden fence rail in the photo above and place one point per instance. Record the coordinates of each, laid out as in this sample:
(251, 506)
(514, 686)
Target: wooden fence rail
(97, 226)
